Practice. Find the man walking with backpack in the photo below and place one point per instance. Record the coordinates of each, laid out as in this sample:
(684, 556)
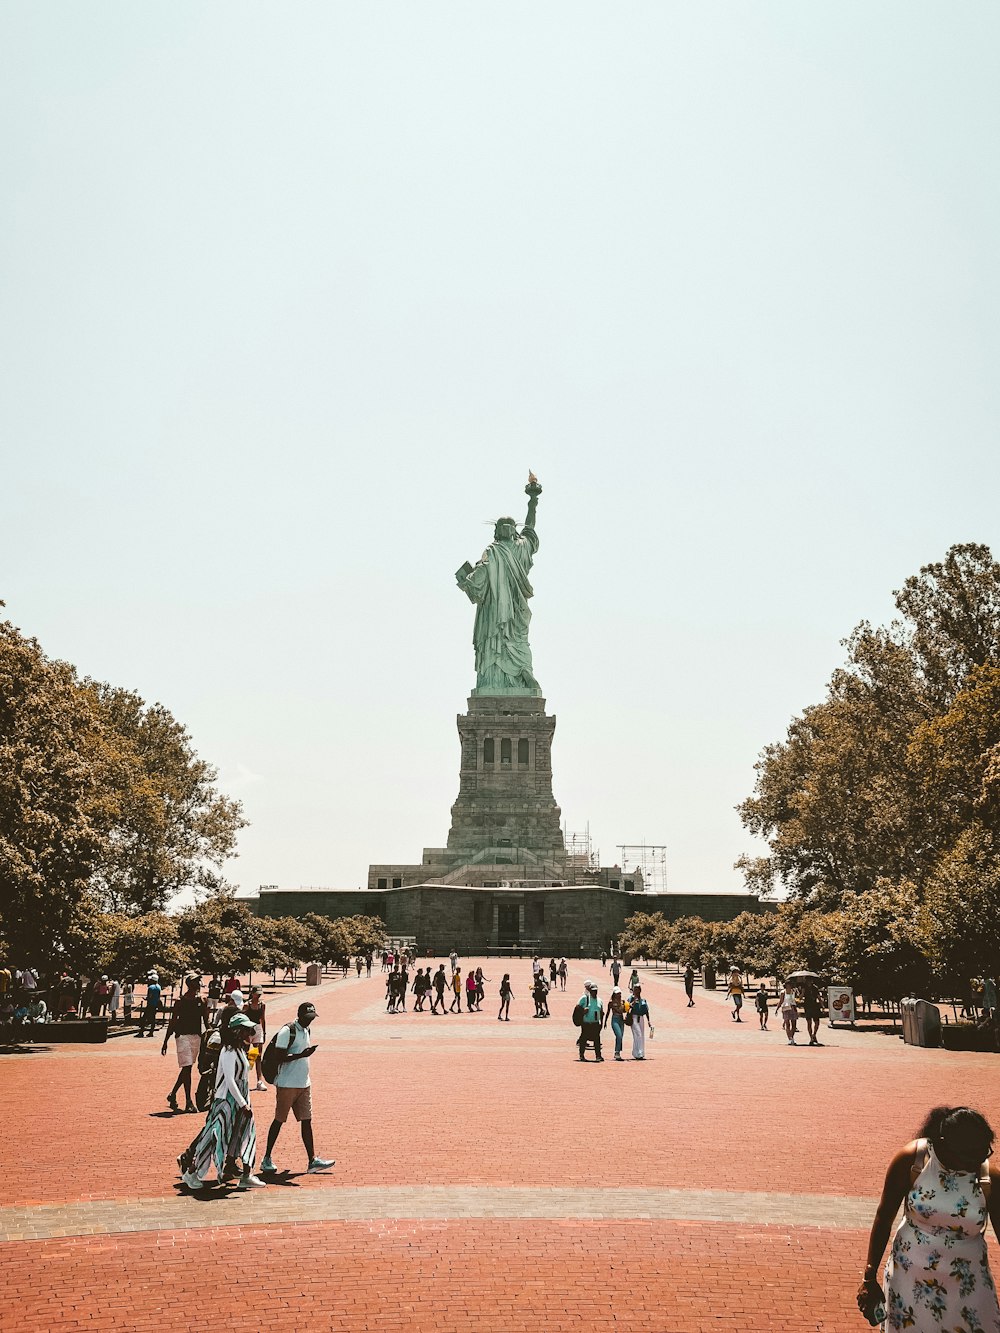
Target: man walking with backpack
(290, 1050)
(591, 1013)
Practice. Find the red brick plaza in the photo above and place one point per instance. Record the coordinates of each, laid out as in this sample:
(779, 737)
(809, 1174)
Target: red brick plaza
(485, 1180)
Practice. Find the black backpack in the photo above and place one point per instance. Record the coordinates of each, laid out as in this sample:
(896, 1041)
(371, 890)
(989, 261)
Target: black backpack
(270, 1061)
(578, 1014)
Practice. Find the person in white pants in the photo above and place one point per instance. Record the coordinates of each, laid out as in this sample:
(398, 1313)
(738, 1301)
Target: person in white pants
(639, 1012)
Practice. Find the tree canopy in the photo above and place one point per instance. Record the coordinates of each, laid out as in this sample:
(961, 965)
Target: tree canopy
(877, 783)
(104, 804)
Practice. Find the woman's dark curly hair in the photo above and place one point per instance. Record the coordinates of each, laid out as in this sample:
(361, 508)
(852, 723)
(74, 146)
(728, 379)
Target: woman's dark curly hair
(960, 1128)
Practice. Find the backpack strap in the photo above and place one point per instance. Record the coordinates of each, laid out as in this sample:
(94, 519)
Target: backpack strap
(985, 1184)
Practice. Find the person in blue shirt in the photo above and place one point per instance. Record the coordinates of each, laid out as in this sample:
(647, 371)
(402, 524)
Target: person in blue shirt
(593, 1017)
(152, 1005)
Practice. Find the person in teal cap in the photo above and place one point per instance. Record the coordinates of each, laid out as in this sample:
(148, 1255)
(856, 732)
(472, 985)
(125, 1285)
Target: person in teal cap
(229, 1133)
(593, 1017)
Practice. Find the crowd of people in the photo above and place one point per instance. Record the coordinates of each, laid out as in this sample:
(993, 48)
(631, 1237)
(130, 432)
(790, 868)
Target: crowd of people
(445, 987)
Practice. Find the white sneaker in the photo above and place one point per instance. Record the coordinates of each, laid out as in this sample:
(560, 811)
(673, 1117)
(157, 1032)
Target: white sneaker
(252, 1183)
(268, 1167)
(261, 1087)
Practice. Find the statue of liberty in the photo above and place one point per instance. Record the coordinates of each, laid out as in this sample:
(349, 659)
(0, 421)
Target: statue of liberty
(499, 586)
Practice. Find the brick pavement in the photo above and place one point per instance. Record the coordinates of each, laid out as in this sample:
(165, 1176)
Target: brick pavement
(748, 1169)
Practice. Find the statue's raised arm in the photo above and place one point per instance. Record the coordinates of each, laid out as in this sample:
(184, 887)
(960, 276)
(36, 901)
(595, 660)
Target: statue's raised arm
(532, 491)
(498, 585)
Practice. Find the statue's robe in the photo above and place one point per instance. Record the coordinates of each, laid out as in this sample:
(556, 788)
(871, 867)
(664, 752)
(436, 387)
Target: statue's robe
(499, 586)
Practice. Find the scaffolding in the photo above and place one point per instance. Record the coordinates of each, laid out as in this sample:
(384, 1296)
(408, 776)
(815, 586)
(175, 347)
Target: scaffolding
(580, 853)
(650, 859)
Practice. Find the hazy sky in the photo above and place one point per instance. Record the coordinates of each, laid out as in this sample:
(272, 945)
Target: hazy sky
(291, 297)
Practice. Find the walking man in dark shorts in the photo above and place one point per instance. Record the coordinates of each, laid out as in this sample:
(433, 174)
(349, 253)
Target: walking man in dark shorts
(813, 1012)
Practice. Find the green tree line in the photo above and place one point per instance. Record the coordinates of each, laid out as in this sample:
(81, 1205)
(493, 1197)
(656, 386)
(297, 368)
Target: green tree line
(221, 934)
(883, 943)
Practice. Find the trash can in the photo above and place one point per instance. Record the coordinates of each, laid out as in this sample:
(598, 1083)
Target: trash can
(926, 1023)
(708, 977)
(907, 1014)
(314, 974)
(921, 1022)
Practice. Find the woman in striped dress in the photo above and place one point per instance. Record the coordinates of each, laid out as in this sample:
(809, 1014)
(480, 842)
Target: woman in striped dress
(229, 1131)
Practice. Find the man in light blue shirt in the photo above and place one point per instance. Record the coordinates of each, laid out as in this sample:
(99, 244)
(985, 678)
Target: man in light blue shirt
(293, 1089)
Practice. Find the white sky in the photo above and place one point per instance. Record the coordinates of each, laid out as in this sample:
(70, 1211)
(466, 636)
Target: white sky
(291, 297)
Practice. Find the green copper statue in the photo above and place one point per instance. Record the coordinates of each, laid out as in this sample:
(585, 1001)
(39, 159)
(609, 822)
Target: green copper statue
(499, 586)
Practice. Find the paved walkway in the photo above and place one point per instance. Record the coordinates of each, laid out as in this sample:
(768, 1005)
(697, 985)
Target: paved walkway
(484, 1179)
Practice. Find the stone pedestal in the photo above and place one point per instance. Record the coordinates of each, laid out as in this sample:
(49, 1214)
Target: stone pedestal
(505, 812)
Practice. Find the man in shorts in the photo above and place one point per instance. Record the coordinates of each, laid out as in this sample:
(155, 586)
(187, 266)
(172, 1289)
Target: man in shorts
(188, 1020)
(440, 981)
(813, 1012)
(293, 1089)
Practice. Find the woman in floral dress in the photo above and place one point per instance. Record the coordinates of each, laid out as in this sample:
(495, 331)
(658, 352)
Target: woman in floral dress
(937, 1278)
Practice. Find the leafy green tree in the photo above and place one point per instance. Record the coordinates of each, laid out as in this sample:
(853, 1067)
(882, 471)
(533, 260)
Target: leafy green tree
(956, 757)
(287, 942)
(962, 902)
(692, 941)
(221, 934)
(953, 609)
(876, 781)
(52, 831)
(750, 941)
(836, 800)
(103, 803)
(640, 930)
(882, 943)
(804, 939)
(167, 827)
(365, 934)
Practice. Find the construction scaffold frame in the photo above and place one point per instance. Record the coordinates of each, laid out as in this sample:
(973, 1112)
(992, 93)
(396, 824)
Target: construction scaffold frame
(650, 859)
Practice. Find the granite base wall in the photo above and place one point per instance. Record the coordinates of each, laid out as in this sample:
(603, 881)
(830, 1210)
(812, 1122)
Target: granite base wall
(571, 921)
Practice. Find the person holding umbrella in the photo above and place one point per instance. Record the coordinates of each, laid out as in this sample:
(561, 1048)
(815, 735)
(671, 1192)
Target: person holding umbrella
(808, 983)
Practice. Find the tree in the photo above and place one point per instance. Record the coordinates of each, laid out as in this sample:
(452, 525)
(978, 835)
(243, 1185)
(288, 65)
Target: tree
(803, 939)
(752, 941)
(882, 943)
(52, 831)
(221, 935)
(835, 800)
(692, 941)
(956, 758)
(962, 903)
(103, 804)
(166, 825)
(953, 609)
(287, 942)
(876, 781)
(640, 929)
